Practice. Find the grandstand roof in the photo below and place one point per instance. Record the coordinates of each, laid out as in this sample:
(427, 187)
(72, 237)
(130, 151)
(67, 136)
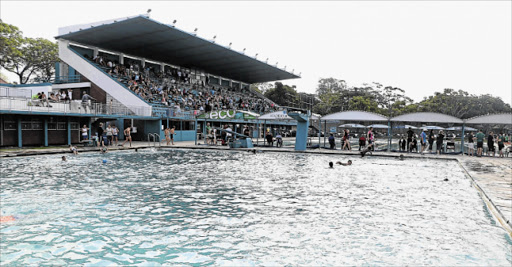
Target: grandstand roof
(143, 37)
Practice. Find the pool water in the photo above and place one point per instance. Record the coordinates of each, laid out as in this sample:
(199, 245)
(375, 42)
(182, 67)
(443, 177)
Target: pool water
(237, 208)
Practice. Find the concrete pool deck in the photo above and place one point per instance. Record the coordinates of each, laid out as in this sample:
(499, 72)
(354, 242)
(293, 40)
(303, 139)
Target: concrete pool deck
(492, 176)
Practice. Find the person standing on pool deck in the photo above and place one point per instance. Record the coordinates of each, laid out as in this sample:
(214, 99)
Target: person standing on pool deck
(115, 132)
(85, 130)
(471, 144)
(479, 143)
(410, 133)
(100, 134)
(490, 144)
(439, 142)
(501, 145)
(167, 134)
(171, 133)
(346, 137)
(423, 140)
(127, 136)
(431, 137)
(109, 135)
(371, 139)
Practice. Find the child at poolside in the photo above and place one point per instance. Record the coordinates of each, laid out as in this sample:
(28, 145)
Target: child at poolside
(73, 149)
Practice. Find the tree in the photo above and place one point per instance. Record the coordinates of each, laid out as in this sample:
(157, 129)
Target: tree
(26, 57)
(282, 95)
(261, 87)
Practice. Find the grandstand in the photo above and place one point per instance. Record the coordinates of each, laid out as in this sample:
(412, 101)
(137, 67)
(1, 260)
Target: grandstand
(140, 73)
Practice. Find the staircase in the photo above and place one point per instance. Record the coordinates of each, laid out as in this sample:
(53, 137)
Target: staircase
(99, 77)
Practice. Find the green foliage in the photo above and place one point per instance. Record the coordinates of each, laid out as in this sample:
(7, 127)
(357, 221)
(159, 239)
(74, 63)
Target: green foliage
(335, 96)
(282, 95)
(26, 57)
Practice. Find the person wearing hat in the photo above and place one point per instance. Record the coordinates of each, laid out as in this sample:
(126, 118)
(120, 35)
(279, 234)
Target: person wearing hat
(423, 141)
(439, 141)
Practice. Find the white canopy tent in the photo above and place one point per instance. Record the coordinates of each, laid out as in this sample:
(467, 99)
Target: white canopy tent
(433, 127)
(378, 126)
(282, 115)
(354, 115)
(503, 118)
(427, 117)
(348, 125)
(459, 128)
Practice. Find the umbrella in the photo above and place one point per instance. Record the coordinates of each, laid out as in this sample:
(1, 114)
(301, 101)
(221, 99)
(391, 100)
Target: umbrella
(405, 127)
(433, 127)
(378, 126)
(352, 126)
(459, 128)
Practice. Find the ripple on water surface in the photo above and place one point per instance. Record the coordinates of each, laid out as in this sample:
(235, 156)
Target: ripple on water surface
(232, 208)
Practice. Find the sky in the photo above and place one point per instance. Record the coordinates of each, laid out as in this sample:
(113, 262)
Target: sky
(419, 46)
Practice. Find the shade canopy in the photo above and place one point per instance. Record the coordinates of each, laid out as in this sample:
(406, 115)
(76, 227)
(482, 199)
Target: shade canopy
(378, 126)
(503, 118)
(143, 37)
(282, 115)
(405, 127)
(459, 128)
(354, 116)
(427, 117)
(355, 125)
(432, 127)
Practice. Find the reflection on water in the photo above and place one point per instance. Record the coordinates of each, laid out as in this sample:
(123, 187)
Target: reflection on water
(229, 208)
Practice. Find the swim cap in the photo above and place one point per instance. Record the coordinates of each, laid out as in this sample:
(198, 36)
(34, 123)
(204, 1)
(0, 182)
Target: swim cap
(104, 161)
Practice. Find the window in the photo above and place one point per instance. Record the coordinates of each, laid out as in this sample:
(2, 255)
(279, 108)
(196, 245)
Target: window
(9, 125)
(75, 126)
(52, 126)
(61, 126)
(26, 126)
(37, 125)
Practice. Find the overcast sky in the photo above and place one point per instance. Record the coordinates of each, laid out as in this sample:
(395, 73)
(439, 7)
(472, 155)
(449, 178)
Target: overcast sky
(420, 46)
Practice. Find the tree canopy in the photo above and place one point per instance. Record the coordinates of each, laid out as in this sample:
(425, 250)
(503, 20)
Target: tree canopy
(29, 58)
(333, 95)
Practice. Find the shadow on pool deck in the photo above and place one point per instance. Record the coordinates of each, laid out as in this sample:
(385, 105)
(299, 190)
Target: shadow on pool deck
(492, 176)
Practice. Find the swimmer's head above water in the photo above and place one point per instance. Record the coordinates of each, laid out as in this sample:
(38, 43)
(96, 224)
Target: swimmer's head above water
(331, 165)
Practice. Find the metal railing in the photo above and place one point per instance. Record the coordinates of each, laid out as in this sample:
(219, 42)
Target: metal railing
(154, 135)
(70, 107)
(14, 92)
(60, 79)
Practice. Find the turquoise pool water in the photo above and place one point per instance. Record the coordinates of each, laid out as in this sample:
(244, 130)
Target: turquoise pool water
(238, 208)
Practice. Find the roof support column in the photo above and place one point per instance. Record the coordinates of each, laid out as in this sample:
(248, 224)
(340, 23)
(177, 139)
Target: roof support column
(143, 63)
(162, 67)
(95, 52)
(121, 59)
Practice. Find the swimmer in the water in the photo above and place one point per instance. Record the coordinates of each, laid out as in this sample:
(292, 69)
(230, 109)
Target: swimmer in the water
(331, 165)
(63, 158)
(401, 157)
(349, 162)
(9, 218)
(103, 150)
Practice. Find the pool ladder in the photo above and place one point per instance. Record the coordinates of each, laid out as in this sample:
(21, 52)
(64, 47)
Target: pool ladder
(154, 135)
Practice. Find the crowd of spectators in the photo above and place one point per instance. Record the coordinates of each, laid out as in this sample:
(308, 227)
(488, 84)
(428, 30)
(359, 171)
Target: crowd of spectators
(175, 88)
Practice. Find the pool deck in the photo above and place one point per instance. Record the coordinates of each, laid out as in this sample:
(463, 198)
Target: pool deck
(492, 176)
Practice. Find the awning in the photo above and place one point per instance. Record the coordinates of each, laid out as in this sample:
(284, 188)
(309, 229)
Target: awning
(143, 37)
(503, 118)
(281, 115)
(354, 116)
(427, 117)
(378, 126)
(348, 125)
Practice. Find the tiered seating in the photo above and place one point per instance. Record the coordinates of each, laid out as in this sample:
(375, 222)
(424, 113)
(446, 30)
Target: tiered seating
(170, 89)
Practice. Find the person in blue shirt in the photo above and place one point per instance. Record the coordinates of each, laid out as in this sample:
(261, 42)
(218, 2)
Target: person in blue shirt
(423, 140)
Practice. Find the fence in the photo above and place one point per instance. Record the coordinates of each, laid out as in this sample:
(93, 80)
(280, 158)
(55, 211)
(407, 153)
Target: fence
(73, 107)
(15, 92)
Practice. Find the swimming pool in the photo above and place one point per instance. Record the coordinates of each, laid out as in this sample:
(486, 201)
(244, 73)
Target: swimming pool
(237, 208)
